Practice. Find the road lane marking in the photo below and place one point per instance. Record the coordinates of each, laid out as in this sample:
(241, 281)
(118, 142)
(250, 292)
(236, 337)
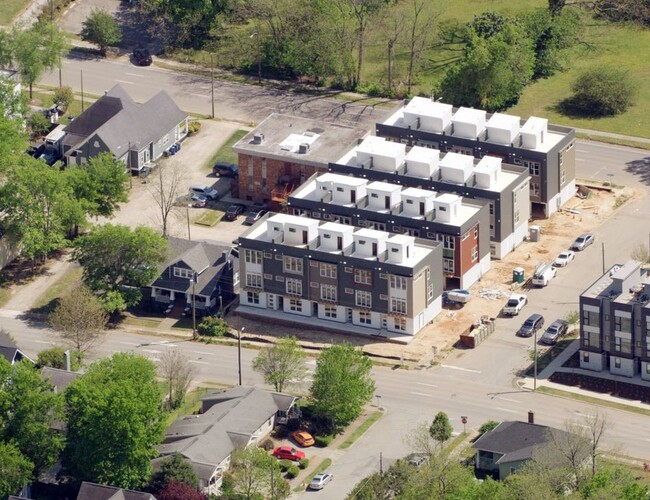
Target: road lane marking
(43, 342)
(428, 385)
(461, 369)
(152, 351)
(506, 409)
(134, 74)
(198, 95)
(422, 394)
(199, 362)
(507, 399)
(125, 81)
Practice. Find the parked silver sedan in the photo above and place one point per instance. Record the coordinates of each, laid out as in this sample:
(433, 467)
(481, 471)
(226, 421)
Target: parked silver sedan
(319, 481)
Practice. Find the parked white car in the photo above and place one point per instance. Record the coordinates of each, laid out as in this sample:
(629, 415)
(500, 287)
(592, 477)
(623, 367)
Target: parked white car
(564, 258)
(515, 304)
(319, 481)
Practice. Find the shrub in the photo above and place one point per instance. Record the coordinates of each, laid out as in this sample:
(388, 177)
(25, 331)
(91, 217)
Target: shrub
(267, 445)
(304, 463)
(54, 358)
(281, 432)
(293, 471)
(487, 427)
(63, 96)
(323, 441)
(285, 465)
(38, 124)
(293, 424)
(193, 127)
(601, 91)
(212, 327)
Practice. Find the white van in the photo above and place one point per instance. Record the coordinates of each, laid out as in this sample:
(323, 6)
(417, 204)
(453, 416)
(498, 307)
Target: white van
(543, 274)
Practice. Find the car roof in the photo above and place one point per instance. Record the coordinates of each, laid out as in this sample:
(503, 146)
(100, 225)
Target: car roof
(534, 317)
(558, 323)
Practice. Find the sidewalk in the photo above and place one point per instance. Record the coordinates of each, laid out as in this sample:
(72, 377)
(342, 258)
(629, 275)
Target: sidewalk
(612, 135)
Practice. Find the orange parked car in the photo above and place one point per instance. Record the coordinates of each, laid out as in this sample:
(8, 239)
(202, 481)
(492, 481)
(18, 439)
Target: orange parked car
(303, 438)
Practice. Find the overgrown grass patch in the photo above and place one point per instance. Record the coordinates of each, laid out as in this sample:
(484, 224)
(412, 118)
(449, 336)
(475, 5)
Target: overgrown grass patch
(642, 476)
(191, 404)
(596, 401)
(146, 322)
(49, 299)
(209, 218)
(362, 429)
(225, 152)
(454, 443)
(9, 9)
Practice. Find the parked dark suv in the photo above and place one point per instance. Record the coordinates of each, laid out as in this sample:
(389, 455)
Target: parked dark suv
(531, 325)
(142, 57)
(225, 170)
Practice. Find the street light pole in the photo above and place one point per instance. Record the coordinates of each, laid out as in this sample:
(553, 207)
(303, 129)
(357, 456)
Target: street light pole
(239, 334)
(535, 369)
(187, 213)
(212, 81)
(194, 279)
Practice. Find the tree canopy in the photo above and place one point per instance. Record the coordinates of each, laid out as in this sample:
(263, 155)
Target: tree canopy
(102, 29)
(174, 469)
(255, 474)
(118, 261)
(282, 364)
(601, 91)
(441, 429)
(342, 385)
(15, 470)
(114, 422)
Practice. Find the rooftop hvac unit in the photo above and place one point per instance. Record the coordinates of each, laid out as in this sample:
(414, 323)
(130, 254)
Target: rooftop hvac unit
(303, 148)
(258, 138)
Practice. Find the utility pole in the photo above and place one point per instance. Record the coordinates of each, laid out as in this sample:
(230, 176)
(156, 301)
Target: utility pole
(212, 81)
(239, 333)
(194, 279)
(603, 252)
(381, 463)
(187, 213)
(535, 369)
(82, 90)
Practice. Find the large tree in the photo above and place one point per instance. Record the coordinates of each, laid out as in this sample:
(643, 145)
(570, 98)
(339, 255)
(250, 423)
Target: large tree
(29, 410)
(114, 422)
(282, 364)
(602, 91)
(102, 29)
(118, 261)
(79, 318)
(255, 474)
(174, 469)
(15, 470)
(440, 428)
(165, 189)
(342, 385)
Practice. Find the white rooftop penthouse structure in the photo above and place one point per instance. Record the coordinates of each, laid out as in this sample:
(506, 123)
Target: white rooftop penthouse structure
(422, 162)
(375, 152)
(503, 129)
(487, 172)
(468, 123)
(383, 196)
(425, 113)
(534, 133)
(456, 168)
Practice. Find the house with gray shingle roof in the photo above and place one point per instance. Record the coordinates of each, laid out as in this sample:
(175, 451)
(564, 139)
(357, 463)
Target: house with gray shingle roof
(134, 133)
(92, 491)
(231, 419)
(511, 444)
(9, 350)
(215, 269)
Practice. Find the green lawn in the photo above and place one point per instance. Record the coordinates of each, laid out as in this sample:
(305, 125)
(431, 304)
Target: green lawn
(225, 153)
(209, 218)
(10, 9)
(5, 295)
(50, 297)
(44, 99)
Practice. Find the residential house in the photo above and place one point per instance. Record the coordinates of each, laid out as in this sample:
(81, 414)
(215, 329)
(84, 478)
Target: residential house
(505, 188)
(230, 419)
(283, 151)
(10, 351)
(546, 151)
(338, 277)
(60, 379)
(136, 134)
(92, 491)
(461, 225)
(615, 322)
(510, 445)
(195, 269)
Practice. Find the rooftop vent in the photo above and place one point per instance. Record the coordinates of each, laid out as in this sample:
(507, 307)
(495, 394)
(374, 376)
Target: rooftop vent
(258, 138)
(303, 149)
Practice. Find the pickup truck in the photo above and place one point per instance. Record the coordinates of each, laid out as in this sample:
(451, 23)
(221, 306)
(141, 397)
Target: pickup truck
(515, 303)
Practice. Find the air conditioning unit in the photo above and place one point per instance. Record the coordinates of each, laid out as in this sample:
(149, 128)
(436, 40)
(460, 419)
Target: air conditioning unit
(258, 138)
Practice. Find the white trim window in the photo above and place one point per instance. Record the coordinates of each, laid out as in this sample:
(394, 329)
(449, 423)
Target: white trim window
(328, 292)
(532, 166)
(363, 276)
(293, 286)
(474, 254)
(329, 311)
(365, 317)
(295, 305)
(254, 280)
(327, 270)
(397, 305)
(292, 265)
(253, 297)
(397, 282)
(448, 266)
(180, 272)
(399, 324)
(363, 299)
(253, 256)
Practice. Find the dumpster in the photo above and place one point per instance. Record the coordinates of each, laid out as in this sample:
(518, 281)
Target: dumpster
(535, 232)
(518, 275)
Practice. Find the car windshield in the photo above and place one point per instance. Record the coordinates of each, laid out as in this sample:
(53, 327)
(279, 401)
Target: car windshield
(513, 302)
(581, 239)
(528, 323)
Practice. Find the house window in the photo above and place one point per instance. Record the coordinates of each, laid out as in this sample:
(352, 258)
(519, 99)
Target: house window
(180, 272)
(491, 209)
(517, 216)
(590, 318)
(254, 280)
(295, 305)
(474, 254)
(365, 317)
(532, 166)
(534, 189)
(397, 305)
(448, 266)
(253, 256)
(647, 368)
(363, 299)
(591, 339)
(622, 324)
(292, 265)
(622, 345)
(328, 292)
(585, 357)
(617, 362)
(363, 276)
(400, 324)
(397, 282)
(475, 232)
(293, 287)
(329, 311)
(328, 270)
(449, 242)
(253, 297)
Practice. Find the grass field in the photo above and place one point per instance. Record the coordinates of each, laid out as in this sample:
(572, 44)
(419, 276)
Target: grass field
(10, 9)
(225, 152)
(50, 297)
(44, 99)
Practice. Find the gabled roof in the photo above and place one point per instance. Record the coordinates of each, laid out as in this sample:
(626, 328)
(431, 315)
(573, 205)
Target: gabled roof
(60, 379)
(92, 491)
(517, 440)
(10, 351)
(230, 421)
(118, 121)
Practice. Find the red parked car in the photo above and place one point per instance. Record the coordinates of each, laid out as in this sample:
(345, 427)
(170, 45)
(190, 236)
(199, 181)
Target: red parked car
(288, 453)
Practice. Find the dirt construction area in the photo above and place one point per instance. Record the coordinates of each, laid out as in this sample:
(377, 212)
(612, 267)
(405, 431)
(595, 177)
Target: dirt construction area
(488, 295)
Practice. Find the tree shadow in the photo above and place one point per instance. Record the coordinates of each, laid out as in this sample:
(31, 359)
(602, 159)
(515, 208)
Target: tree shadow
(640, 168)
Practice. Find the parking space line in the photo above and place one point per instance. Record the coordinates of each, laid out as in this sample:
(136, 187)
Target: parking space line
(507, 409)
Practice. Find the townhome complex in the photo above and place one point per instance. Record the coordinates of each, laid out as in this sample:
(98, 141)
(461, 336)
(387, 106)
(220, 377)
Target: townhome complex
(546, 151)
(339, 277)
(453, 221)
(615, 322)
(504, 188)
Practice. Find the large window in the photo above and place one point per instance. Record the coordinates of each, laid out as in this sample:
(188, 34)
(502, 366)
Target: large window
(365, 317)
(328, 292)
(532, 166)
(328, 270)
(622, 324)
(400, 324)
(294, 287)
(180, 272)
(363, 299)
(329, 311)
(254, 280)
(448, 266)
(398, 306)
(292, 265)
(363, 276)
(590, 318)
(253, 297)
(295, 305)
(622, 345)
(591, 339)
(449, 242)
(253, 256)
(397, 282)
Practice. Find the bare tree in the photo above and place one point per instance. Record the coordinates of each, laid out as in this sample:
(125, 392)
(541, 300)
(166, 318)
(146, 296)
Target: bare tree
(392, 25)
(79, 318)
(419, 440)
(165, 189)
(177, 373)
(641, 253)
(282, 364)
(419, 34)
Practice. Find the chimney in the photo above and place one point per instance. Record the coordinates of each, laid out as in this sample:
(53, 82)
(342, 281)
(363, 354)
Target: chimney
(66, 360)
(531, 417)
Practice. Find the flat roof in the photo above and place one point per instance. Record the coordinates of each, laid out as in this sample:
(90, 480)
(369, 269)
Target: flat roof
(284, 133)
(382, 186)
(417, 192)
(607, 287)
(427, 107)
(503, 121)
(468, 115)
(342, 179)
